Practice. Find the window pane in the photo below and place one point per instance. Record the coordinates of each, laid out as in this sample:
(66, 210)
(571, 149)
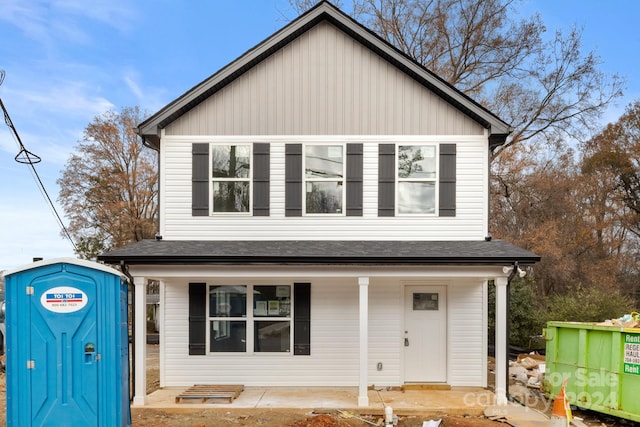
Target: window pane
(323, 161)
(417, 161)
(231, 196)
(272, 336)
(324, 197)
(228, 335)
(425, 301)
(231, 161)
(272, 301)
(228, 301)
(416, 197)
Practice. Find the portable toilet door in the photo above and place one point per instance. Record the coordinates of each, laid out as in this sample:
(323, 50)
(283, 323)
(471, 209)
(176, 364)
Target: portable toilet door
(67, 345)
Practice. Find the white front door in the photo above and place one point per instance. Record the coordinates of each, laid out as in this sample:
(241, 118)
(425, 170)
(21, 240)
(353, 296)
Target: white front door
(425, 334)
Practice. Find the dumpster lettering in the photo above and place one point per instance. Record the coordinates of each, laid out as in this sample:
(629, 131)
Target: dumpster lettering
(632, 338)
(632, 354)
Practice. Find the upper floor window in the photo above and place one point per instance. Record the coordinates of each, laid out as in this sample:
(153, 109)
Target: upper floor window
(324, 174)
(417, 179)
(231, 178)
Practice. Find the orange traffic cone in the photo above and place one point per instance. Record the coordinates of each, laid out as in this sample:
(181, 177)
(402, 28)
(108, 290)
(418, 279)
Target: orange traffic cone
(561, 414)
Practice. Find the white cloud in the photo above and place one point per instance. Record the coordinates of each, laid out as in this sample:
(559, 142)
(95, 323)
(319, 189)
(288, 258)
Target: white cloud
(28, 16)
(150, 99)
(48, 21)
(50, 119)
(130, 78)
(68, 98)
(115, 13)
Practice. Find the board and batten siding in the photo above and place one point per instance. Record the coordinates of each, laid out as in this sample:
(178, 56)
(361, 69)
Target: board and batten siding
(324, 83)
(177, 222)
(334, 359)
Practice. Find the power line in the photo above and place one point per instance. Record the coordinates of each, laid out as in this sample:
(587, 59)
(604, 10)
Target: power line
(26, 157)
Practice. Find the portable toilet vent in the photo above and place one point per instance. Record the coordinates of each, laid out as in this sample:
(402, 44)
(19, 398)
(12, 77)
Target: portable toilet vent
(67, 345)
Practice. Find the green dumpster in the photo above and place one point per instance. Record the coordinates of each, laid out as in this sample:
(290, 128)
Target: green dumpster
(600, 363)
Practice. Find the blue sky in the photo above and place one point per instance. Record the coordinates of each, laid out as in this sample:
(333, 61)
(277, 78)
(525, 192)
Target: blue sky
(67, 61)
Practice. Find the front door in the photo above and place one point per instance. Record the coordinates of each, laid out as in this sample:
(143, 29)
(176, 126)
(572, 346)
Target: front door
(425, 334)
(64, 351)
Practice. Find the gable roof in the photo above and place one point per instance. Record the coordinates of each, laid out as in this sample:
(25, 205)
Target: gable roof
(150, 128)
(321, 252)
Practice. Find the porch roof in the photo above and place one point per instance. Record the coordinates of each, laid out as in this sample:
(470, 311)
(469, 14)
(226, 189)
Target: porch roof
(321, 252)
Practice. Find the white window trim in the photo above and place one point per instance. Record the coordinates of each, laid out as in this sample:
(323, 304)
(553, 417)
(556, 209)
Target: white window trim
(435, 180)
(305, 180)
(249, 320)
(249, 179)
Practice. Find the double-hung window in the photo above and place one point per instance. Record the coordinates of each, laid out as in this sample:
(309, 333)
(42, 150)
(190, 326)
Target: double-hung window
(231, 178)
(324, 174)
(416, 179)
(265, 327)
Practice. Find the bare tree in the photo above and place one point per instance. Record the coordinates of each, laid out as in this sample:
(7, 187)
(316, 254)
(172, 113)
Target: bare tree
(108, 188)
(544, 89)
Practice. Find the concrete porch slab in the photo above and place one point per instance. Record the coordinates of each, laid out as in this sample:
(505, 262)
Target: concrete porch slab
(457, 401)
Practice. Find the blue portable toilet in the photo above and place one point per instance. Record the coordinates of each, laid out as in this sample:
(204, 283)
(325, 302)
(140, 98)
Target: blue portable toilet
(67, 345)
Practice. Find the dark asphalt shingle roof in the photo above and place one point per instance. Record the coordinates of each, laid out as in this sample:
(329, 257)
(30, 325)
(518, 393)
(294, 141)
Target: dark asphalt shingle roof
(481, 252)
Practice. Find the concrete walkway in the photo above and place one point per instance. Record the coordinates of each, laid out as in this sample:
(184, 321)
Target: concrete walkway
(457, 401)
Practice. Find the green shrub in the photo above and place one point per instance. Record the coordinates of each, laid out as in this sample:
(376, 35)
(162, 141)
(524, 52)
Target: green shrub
(524, 312)
(588, 305)
(529, 311)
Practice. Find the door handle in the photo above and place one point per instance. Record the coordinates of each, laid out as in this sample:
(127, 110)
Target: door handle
(406, 342)
(89, 352)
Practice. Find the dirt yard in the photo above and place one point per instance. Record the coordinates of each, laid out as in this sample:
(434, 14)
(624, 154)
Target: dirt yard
(224, 417)
(264, 418)
(252, 417)
(275, 418)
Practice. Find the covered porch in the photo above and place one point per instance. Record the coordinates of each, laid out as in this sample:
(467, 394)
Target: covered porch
(358, 269)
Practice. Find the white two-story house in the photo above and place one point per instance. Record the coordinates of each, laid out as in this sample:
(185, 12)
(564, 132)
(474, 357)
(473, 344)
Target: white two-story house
(324, 205)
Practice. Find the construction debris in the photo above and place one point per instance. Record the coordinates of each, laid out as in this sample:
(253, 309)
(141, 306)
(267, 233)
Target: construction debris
(347, 414)
(528, 370)
(517, 415)
(627, 321)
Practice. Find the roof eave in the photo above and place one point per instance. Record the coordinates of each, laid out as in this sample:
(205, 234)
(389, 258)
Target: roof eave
(282, 261)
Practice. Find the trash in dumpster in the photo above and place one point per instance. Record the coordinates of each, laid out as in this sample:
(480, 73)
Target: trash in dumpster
(631, 320)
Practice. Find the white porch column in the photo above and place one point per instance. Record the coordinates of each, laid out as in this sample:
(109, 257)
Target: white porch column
(140, 340)
(363, 394)
(501, 340)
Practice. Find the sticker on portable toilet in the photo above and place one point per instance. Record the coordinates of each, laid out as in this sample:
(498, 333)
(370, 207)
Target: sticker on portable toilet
(63, 299)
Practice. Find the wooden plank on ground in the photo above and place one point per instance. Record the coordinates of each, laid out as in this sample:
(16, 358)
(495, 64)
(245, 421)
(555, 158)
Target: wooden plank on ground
(220, 393)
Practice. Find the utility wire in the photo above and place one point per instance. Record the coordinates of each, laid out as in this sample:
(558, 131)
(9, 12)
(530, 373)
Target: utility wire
(26, 157)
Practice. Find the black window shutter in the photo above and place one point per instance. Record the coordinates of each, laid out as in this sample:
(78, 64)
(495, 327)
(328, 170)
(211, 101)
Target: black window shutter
(447, 180)
(197, 318)
(386, 179)
(354, 179)
(302, 319)
(200, 179)
(261, 174)
(293, 180)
